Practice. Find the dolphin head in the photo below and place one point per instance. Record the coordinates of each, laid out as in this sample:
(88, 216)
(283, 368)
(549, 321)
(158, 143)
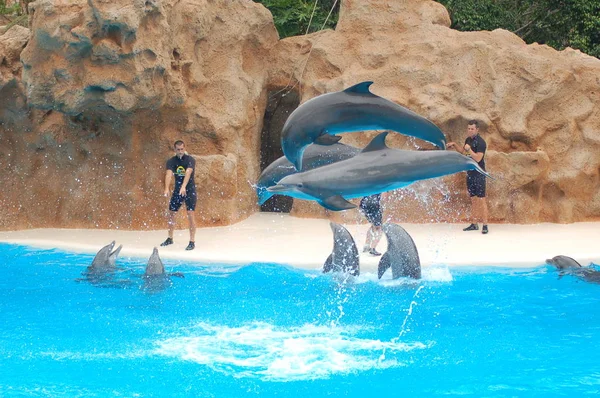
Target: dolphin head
(103, 256)
(155, 265)
(291, 183)
(563, 262)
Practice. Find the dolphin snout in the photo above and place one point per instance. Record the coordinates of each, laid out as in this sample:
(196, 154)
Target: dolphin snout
(278, 188)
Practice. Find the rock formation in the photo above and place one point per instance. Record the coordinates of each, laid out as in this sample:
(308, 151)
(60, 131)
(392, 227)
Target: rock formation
(89, 111)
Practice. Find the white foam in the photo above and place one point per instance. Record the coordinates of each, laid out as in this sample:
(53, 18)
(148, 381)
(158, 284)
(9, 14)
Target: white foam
(282, 354)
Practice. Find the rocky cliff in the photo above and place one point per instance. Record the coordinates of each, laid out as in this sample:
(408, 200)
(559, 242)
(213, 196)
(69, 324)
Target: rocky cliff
(95, 92)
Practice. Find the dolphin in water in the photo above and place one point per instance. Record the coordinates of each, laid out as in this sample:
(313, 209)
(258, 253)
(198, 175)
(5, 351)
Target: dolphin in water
(155, 277)
(103, 269)
(563, 262)
(105, 258)
(401, 254)
(567, 265)
(314, 156)
(155, 265)
(350, 110)
(344, 257)
(375, 170)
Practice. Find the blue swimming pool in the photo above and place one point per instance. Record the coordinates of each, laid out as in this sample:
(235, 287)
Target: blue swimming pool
(271, 330)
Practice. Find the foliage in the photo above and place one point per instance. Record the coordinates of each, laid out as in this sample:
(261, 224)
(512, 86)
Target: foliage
(292, 17)
(9, 10)
(557, 23)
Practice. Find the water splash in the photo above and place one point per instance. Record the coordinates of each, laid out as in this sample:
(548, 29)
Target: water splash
(262, 350)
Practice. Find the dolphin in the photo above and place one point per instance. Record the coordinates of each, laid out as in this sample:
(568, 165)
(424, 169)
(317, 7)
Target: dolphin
(155, 265)
(563, 262)
(314, 156)
(105, 258)
(344, 257)
(102, 272)
(401, 254)
(376, 169)
(155, 278)
(353, 109)
(567, 265)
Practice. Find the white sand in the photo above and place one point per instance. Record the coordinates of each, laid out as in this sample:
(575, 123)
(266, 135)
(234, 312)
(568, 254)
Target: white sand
(279, 238)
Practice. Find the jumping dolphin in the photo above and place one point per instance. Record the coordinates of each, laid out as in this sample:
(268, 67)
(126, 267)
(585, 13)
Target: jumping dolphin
(401, 254)
(376, 169)
(567, 265)
(344, 257)
(105, 258)
(353, 109)
(314, 156)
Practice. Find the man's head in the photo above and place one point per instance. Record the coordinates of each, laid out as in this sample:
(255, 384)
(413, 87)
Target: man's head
(179, 147)
(473, 128)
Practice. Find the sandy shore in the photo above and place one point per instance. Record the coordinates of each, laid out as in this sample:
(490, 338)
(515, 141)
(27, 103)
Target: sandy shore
(280, 238)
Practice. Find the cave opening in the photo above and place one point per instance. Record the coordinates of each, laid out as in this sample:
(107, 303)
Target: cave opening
(281, 103)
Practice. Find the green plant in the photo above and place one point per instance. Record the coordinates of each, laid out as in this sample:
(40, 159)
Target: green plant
(292, 17)
(557, 23)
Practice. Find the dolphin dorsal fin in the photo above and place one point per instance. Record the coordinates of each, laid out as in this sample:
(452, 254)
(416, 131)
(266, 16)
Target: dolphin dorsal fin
(377, 143)
(360, 88)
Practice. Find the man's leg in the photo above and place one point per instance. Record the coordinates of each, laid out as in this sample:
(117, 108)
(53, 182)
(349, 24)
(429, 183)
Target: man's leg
(474, 215)
(192, 224)
(171, 228)
(171, 222)
(483, 213)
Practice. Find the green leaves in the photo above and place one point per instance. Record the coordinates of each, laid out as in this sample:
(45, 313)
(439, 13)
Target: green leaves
(558, 23)
(293, 17)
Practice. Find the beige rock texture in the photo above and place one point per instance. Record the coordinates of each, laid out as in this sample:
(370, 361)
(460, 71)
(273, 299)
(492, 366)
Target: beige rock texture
(90, 107)
(539, 108)
(110, 85)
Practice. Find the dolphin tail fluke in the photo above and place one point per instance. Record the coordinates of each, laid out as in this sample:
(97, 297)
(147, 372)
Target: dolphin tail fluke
(327, 139)
(336, 203)
(328, 266)
(384, 264)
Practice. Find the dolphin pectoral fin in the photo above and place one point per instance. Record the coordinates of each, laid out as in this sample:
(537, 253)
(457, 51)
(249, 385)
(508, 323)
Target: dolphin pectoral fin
(336, 203)
(328, 266)
(377, 143)
(360, 88)
(384, 264)
(327, 139)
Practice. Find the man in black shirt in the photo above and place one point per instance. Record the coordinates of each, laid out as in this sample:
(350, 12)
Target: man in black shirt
(475, 148)
(181, 166)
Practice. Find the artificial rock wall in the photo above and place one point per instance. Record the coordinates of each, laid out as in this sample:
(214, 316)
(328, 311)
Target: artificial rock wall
(95, 92)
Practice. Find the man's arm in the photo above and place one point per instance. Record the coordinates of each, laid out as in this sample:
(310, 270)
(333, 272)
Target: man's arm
(452, 145)
(186, 179)
(168, 178)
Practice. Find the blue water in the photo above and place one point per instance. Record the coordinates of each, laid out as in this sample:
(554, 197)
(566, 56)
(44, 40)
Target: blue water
(271, 330)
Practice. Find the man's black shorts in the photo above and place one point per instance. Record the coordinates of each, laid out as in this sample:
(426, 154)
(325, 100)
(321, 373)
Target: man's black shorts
(177, 200)
(373, 213)
(476, 184)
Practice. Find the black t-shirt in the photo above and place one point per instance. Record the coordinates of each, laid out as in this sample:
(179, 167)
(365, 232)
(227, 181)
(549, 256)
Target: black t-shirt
(477, 145)
(178, 167)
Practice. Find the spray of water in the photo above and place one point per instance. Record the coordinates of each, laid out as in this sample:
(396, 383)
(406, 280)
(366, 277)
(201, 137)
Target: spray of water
(403, 329)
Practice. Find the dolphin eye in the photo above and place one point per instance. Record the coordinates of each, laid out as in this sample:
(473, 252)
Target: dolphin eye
(299, 185)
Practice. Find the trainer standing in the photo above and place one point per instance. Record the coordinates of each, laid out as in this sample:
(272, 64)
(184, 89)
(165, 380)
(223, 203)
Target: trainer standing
(181, 166)
(475, 148)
